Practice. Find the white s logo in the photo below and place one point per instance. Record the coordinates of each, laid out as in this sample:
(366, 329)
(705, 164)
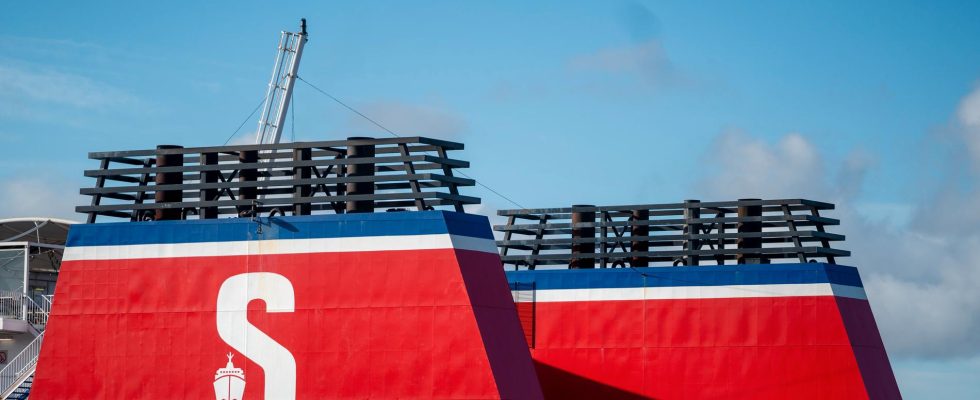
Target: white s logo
(233, 327)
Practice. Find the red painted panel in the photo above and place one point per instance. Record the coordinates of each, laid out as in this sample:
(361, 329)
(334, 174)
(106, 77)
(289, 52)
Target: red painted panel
(749, 348)
(396, 324)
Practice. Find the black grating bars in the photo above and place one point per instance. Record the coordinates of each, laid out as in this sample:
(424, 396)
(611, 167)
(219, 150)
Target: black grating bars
(354, 175)
(747, 231)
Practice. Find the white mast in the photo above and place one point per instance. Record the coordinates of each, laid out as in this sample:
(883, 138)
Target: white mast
(281, 85)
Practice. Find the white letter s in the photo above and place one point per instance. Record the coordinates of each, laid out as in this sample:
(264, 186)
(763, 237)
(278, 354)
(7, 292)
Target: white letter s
(233, 327)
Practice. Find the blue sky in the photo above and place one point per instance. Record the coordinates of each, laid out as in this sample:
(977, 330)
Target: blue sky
(874, 106)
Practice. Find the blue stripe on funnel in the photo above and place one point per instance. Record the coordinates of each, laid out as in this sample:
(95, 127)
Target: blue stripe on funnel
(278, 228)
(764, 274)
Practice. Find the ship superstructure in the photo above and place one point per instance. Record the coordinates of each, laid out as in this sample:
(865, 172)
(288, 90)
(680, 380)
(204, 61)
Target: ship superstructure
(350, 269)
(276, 252)
(735, 299)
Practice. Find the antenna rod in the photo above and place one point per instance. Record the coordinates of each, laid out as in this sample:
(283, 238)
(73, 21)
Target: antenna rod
(281, 85)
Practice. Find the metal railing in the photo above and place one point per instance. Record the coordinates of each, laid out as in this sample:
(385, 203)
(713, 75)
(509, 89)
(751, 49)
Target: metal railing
(20, 367)
(36, 312)
(11, 304)
(690, 233)
(15, 305)
(300, 178)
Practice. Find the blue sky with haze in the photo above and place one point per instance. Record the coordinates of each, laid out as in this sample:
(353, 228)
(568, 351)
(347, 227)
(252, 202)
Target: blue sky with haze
(874, 106)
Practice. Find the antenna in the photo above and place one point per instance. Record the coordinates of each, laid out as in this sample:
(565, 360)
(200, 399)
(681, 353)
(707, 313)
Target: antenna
(281, 85)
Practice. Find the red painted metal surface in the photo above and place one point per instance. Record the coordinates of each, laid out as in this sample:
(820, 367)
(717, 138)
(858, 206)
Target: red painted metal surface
(817, 347)
(381, 324)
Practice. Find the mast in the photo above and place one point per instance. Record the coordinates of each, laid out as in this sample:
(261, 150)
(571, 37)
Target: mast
(281, 85)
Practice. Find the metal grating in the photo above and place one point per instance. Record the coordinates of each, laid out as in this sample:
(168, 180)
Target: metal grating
(689, 233)
(354, 175)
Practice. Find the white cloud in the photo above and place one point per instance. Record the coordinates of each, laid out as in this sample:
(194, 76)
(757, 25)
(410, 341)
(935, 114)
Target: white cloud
(647, 61)
(741, 166)
(48, 48)
(643, 60)
(243, 138)
(926, 319)
(32, 195)
(921, 277)
(648, 58)
(408, 120)
(968, 117)
(945, 379)
(26, 85)
(491, 213)
(969, 109)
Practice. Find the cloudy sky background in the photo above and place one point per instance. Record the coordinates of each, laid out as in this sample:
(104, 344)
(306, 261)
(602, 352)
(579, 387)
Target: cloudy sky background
(875, 107)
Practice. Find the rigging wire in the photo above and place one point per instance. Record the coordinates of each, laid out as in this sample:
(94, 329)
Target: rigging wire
(245, 121)
(392, 133)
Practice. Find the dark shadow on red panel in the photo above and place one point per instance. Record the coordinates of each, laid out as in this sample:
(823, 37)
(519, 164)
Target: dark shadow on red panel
(496, 317)
(872, 360)
(560, 384)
